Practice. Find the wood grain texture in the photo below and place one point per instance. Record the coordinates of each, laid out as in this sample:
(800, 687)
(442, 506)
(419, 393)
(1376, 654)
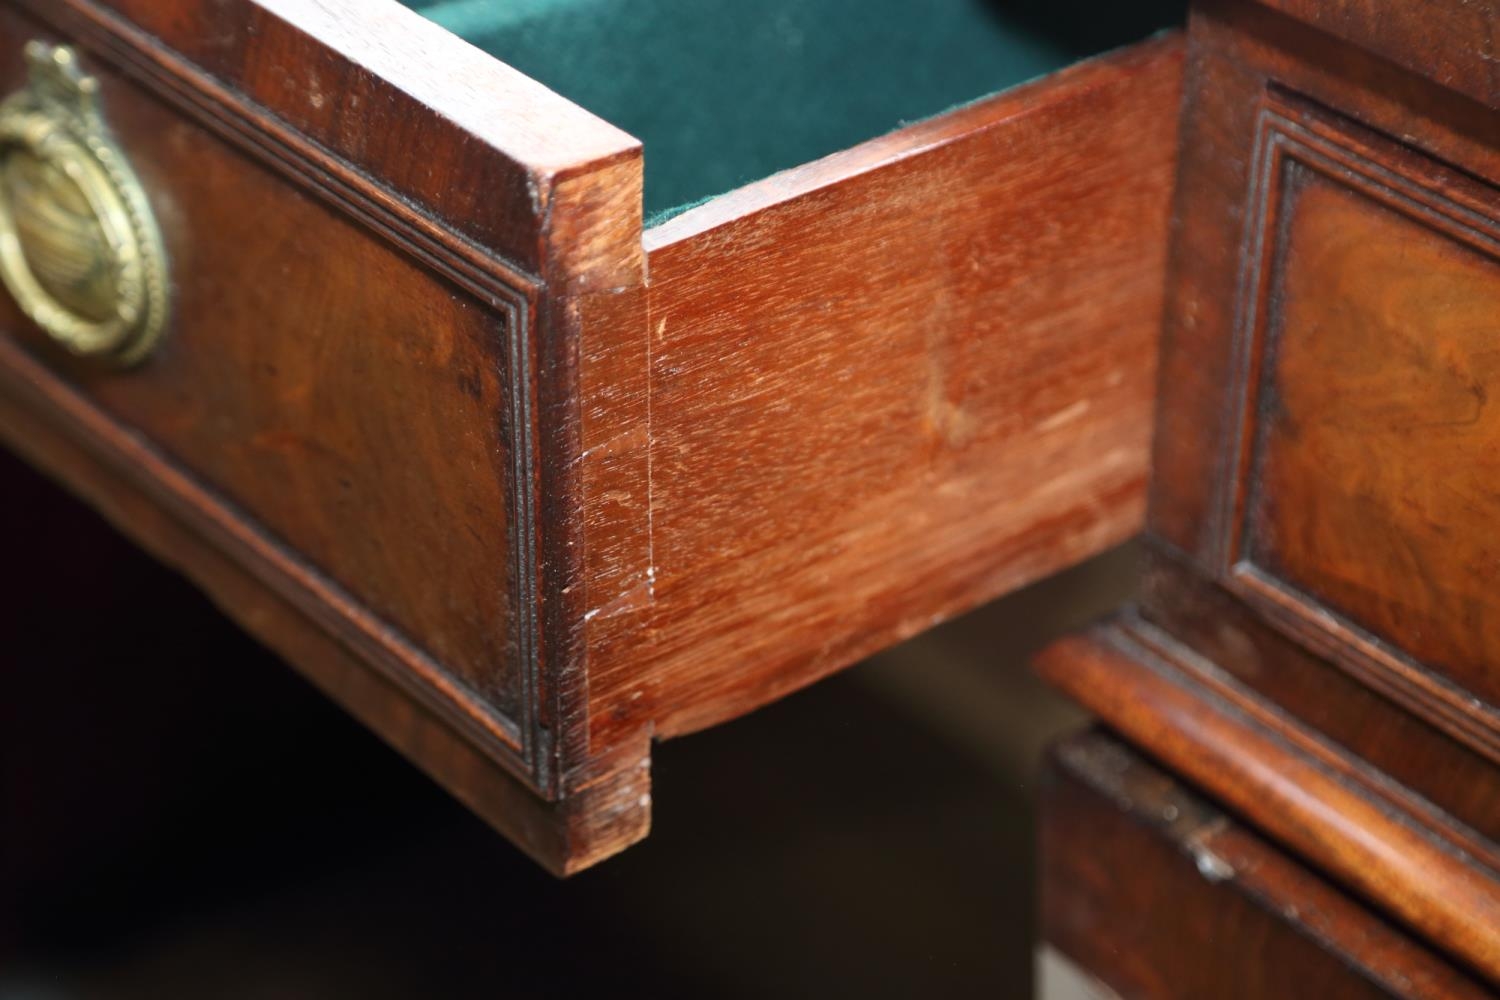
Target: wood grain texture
(1240, 57)
(350, 410)
(1373, 490)
(897, 382)
(1371, 260)
(156, 509)
(423, 390)
(470, 141)
(1229, 914)
(1311, 805)
(1311, 647)
(357, 405)
(1420, 755)
(1418, 36)
(1274, 95)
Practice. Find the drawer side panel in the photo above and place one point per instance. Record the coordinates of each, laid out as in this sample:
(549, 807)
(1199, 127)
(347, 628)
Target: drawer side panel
(898, 382)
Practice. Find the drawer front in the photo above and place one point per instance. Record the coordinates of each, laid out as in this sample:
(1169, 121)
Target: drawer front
(1327, 450)
(318, 379)
(1370, 476)
(414, 385)
(342, 402)
(1228, 913)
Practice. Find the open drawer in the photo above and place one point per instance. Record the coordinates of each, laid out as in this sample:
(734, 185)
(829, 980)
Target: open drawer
(523, 481)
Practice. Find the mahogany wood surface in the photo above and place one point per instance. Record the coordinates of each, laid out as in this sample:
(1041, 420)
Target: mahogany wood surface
(1374, 489)
(900, 381)
(359, 407)
(428, 424)
(1160, 894)
(1422, 756)
(1313, 645)
(1317, 803)
(1337, 212)
(1418, 36)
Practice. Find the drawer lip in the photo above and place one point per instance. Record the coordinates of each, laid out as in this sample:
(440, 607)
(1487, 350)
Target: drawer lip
(410, 76)
(1343, 815)
(983, 114)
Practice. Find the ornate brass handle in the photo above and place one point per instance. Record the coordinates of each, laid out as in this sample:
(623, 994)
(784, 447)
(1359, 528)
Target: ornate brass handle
(79, 248)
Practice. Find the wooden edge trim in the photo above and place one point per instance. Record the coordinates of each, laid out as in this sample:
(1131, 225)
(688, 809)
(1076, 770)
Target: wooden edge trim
(434, 67)
(1400, 33)
(427, 65)
(231, 64)
(961, 123)
(1375, 783)
(1223, 850)
(1363, 843)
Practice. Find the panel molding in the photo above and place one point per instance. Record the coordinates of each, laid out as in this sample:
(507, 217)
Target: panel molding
(522, 745)
(1294, 134)
(1318, 804)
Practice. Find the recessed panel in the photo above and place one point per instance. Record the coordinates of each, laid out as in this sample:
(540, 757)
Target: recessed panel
(1373, 479)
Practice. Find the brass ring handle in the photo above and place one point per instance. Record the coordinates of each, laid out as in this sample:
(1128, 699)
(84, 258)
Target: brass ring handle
(79, 248)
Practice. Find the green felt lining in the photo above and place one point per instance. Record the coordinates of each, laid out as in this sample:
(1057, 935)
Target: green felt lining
(723, 92)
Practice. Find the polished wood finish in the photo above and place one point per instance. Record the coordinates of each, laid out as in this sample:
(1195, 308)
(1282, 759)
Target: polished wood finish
(1417, 36)
(1315, 800)
(1373, 489)
(1313, 645)
(1161, 894)
(1240, 645)
(427, 423)
(348, 409)
(897, 382)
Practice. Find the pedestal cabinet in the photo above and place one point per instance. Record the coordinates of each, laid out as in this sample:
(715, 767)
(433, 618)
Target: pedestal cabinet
(1317, 642)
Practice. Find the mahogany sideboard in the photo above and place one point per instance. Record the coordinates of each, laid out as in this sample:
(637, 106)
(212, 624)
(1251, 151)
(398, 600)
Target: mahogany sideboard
(1316, 645)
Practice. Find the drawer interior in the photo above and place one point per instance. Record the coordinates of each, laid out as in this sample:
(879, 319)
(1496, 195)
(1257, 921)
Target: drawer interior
(724, 92)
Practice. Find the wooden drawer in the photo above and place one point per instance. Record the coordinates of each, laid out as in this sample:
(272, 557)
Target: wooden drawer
(1150, 890)
(527, 483)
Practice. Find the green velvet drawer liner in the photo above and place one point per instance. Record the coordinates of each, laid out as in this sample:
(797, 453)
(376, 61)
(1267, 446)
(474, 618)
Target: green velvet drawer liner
(722, 92)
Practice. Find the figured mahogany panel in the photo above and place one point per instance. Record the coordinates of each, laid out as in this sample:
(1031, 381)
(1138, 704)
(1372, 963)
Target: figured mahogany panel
(1244, 59)
(362, 432)
(1362, 506)
(1379, 439)
(350, 404)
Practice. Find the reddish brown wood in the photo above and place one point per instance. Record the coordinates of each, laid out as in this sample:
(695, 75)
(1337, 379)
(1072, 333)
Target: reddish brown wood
(897, 382)
(1239, 53)
(427, 119)
(1159, 893)
(357, 407)
(1296, 797)
(1365, 483)
(1314, 642)
(1420, 755)
(423, 424)
(148, 506)
(1417, 36)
